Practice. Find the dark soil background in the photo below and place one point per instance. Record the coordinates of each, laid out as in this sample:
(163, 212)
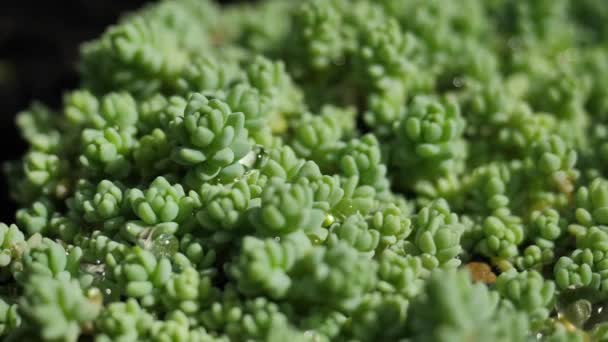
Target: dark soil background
(39, 43)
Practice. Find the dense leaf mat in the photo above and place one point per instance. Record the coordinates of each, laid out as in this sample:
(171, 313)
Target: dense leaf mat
(320, 170)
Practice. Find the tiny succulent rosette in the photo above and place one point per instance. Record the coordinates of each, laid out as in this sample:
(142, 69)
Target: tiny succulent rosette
(209, 136)
(161, 202)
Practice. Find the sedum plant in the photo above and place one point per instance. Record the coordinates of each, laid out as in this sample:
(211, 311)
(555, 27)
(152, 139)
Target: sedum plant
(319, 170)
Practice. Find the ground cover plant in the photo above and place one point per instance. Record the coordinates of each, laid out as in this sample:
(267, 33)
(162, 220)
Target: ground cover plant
(320, 170)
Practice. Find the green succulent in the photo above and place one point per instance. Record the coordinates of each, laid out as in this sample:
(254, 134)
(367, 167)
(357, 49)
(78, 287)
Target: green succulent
(57, 308)
(318, 170)
(209, 136)
(161, 202)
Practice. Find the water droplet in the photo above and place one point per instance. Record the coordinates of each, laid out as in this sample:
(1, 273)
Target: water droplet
(165, 245)
(97, 262)
(108, 292)
(577, 312)
(277, 239)
(458, 82)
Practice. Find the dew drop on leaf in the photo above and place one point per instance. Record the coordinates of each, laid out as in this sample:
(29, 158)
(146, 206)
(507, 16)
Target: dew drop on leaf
(165, 245)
